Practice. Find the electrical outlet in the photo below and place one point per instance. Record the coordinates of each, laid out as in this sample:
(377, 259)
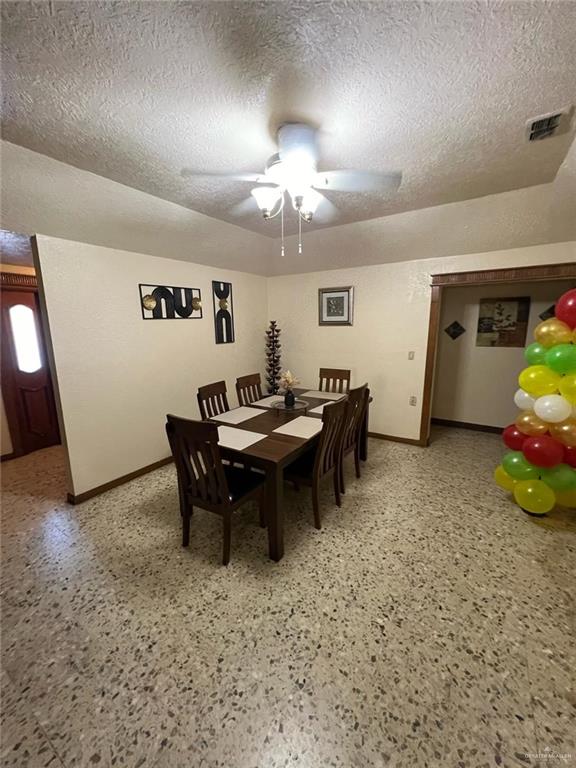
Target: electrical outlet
(412, 400)
(410, 355)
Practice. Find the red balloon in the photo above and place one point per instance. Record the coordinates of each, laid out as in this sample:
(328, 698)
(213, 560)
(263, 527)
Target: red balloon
(570, 455)
(543, 451)
(566, 308)
(513, 438)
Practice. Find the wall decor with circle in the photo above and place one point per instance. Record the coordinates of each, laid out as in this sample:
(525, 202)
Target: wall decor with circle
(223, 312)
(335, 306)
(163, 302)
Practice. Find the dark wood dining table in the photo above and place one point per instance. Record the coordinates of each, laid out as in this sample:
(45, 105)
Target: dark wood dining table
(276, 451)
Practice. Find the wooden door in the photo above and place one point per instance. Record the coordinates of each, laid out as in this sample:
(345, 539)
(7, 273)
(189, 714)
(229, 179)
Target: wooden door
(26, 383)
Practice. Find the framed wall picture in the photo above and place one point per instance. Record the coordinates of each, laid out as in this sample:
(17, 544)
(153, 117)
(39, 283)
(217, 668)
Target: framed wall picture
(223, 312)
(335, 306)
(503, 322)
(165, 302)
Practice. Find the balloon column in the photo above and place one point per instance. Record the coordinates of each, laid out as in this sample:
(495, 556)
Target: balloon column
(540, 468)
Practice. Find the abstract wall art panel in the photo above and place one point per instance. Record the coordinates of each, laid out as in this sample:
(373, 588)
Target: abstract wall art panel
(223, 312)
(164, 302)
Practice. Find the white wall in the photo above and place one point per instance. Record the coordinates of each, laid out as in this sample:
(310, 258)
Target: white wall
(477, 384)
(392, 304)
(40, 194)
(119, 375)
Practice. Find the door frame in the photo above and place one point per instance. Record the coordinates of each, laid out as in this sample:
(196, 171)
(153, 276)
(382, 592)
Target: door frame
(439, 282)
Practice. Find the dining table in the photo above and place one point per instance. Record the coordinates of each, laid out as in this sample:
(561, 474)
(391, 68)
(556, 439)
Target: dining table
(274, 451)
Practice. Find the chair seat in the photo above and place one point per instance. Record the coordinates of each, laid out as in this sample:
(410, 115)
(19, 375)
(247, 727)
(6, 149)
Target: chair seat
(241, 482)
(303, 466)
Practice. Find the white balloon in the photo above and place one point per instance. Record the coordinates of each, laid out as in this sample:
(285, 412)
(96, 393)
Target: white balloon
(523, 400)
(552, 408)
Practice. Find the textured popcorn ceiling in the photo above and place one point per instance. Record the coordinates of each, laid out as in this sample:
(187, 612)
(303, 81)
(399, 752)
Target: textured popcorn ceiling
(15, 249)
(439, 90)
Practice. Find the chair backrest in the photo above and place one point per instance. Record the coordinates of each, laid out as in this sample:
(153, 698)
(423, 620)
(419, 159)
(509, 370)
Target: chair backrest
(249, 388)
(212, 399)
(357, 404)
(334, 380)
(330, 443)
(194, 445)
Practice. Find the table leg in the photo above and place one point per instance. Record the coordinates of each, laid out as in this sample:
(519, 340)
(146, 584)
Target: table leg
(364, 436)
(275, 512)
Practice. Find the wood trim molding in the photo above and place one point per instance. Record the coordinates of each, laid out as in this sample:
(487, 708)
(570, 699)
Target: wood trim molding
(466, 425)
(433, 331)
(80, 497)
(393, 439)
(9, 456)
(508, 275)
(16, 280)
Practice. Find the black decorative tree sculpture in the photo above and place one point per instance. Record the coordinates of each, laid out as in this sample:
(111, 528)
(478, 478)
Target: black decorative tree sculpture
(273, 357)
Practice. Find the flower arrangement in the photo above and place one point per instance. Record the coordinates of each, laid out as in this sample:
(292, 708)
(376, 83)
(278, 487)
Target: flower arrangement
(288, 381)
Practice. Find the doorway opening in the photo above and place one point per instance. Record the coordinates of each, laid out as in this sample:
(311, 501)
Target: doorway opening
(510, 278)
(28, 408)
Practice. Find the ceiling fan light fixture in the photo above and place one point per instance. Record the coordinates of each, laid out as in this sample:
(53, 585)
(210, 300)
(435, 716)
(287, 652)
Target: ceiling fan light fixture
(266, 199)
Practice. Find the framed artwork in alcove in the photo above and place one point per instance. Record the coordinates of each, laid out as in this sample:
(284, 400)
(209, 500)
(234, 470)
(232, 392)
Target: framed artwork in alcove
(503, 322)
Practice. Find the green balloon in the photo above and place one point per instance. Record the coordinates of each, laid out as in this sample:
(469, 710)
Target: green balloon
(535, 354)
(559, 478)
(561, 358)
(517, 467)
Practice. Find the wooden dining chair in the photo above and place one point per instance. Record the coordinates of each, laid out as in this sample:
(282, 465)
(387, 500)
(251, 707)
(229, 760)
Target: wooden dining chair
(204, 481)
(357, 405)
(249, 388)
(212, 400)
(310, 468)
(334, 380)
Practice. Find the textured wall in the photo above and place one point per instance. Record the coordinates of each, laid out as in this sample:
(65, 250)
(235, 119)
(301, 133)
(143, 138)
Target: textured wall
(42, 195)
(119, 375)
(477, 384)
(391, 313)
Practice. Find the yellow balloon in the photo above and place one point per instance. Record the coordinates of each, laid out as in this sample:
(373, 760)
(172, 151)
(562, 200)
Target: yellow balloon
(567, 388)
(567, 498)
(530, 424)
(534, 496)
(539, 380)
(564, 431)
(552, 332)
(503, 479)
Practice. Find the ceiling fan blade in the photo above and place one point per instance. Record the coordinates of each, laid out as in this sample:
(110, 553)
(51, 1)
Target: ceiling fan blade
(254, 178)
(357, 181)
(245, 207)
(297, 140)
(326, 211)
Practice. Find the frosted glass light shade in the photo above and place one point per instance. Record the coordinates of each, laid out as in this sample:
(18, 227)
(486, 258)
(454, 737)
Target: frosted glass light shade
(266, 197)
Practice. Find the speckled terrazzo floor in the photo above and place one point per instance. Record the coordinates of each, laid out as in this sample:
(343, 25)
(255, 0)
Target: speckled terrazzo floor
(430, 623)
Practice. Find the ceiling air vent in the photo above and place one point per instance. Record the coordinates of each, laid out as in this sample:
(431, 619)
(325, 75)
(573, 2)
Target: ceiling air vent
(545, 126)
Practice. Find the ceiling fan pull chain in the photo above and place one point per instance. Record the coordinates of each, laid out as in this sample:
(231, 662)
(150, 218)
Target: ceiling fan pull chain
(299, 233)
(282, 253)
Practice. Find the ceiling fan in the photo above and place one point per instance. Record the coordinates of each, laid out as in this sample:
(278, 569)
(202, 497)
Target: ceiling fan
(292, 174)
